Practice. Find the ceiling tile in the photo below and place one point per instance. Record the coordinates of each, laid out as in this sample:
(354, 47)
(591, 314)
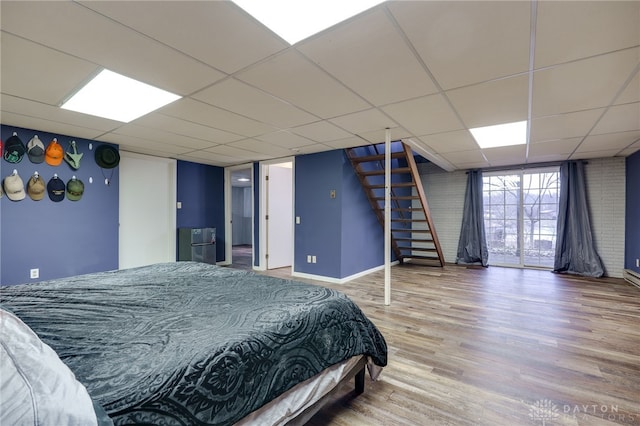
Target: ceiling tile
(495, 102)
(425, 115)
(506, 155)
(239, 153)
(619, 118)
(564, 126)
(44, 75)
(460, 140)
(630, 150)
(104, 42)
(163, 137)
(593, 154)
(215, 159)
(238, 97)
(285, 139)
(569, 30)
(136, 144)
(379, 136)
(261, 147)
(321, 131)
(553, 147)
(186, 128)
(346, 143)
(473, 165)
(585, 84)
(609, 142)
(55, 114)
(467, 42)
(631, 92)
(29, 122)
(378, 64)
(364, 121)
(207, 115)
(215, 32)
(295, 79)
(473, 156)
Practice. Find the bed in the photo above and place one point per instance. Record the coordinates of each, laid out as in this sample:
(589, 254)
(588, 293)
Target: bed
(190, 343)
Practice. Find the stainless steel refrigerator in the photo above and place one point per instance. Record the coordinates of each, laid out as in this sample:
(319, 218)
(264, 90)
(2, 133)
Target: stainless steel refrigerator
(197, 244)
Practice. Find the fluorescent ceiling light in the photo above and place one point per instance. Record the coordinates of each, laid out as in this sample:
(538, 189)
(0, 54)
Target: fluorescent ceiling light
(501, 134)
(116, 97)
(295, 20)
(243, 179)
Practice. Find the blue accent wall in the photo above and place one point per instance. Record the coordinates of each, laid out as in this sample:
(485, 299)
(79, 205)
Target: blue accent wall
(65, 238)
(632, 213)
(343, 232)
(201, 192)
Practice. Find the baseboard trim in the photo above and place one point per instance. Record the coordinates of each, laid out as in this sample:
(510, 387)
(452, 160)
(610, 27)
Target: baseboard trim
(632, 277)
(334, 280)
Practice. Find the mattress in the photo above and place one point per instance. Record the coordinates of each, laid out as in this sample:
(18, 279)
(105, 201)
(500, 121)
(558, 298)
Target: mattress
(192, 343)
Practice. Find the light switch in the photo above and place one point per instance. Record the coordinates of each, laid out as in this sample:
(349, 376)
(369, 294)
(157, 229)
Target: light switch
(179, 205)
(297, 220)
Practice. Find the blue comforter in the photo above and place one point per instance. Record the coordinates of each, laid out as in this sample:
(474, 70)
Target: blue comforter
(190, 343)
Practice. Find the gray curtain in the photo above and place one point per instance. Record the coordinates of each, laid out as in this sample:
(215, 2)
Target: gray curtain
(472, 246)
(575, 251)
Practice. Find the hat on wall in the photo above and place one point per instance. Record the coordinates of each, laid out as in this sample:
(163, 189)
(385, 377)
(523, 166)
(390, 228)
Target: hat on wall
(72, 156)
(75, 189)
(14, 187)
(36, 187)
(14, 149)
(54, 153)
(107, 156)
(56, 188)
(35, 150)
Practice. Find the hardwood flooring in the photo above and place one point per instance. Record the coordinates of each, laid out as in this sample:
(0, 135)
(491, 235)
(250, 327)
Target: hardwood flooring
(496, 346)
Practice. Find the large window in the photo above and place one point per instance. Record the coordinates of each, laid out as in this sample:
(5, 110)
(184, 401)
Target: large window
(520, 212)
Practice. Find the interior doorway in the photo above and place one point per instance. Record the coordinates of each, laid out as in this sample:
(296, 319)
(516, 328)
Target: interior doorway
(239, 212)
(277, 221)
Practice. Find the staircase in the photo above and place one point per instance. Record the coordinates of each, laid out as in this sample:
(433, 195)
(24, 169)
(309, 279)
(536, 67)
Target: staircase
(413, 236)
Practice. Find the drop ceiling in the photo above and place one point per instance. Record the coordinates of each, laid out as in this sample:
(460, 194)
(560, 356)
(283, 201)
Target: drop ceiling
(427, 70)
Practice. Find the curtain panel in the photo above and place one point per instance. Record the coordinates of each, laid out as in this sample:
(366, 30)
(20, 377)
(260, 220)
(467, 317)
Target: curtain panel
(575, 249)
(472, 245)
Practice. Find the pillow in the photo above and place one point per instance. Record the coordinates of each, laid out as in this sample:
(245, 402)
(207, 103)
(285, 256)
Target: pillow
(37, 388)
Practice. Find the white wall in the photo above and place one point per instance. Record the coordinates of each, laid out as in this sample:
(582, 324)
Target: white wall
(606, 194)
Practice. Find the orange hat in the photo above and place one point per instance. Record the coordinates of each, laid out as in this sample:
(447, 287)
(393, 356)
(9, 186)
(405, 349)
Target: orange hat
(54, 153)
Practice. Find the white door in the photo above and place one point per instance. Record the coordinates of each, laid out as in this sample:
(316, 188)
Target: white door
(147, 210)
(280, 215)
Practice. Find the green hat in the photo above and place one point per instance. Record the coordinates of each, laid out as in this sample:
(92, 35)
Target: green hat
(75, 189)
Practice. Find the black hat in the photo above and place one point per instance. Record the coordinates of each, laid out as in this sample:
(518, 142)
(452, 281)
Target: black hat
(14, 149)
(56, 189)
(107, 156)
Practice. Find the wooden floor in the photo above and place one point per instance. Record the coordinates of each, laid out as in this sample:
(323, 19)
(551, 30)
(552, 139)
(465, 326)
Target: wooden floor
(496, 346)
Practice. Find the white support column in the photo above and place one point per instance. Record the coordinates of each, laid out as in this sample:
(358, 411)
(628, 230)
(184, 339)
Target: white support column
(387, 218)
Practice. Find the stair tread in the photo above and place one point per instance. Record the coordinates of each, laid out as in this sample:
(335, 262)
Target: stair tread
(381, 172)
(375, 157)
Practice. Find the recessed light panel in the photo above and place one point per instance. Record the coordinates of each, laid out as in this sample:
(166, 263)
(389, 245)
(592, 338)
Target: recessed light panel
(501, 135)
(116, 97)
(295, 20)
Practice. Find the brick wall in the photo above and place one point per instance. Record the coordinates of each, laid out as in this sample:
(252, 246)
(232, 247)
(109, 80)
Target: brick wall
(606, 194)
(445, 196)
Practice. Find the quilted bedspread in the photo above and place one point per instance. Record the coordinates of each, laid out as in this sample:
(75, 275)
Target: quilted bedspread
(190, 343)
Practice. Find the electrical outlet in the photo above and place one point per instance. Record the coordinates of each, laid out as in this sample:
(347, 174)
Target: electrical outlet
(637, 263)
(313, 259)
(308, 258)
(297, 220)
(34, 273)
